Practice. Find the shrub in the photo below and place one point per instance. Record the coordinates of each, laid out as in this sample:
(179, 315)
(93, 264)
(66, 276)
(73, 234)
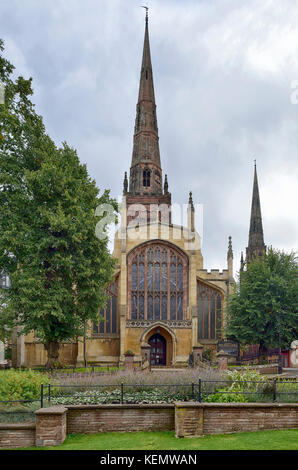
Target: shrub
(21, 385)
(129, 353)
(207, 355)
(226, 397)
(248, 383)
(146, 378)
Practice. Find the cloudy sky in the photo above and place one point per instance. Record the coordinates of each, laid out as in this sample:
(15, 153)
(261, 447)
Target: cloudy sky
(223, 71)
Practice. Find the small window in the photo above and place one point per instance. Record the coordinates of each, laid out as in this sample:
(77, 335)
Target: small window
(146, 178)
(146, 73)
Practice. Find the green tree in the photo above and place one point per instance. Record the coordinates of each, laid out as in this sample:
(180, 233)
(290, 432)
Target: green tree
(59, 269)
(265, 302)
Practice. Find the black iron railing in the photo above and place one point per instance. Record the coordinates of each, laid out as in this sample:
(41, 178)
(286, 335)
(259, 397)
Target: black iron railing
(202, 390)
(199, 391)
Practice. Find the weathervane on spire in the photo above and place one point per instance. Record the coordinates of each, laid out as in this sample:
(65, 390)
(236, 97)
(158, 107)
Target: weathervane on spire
(146, 8)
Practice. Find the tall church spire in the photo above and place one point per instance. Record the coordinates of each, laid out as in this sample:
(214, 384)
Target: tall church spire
(145, 172)
(256, 246)
(145, 178)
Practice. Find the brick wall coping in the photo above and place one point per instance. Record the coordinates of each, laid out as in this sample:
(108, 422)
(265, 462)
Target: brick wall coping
(53, 410)
(16, 426)
(121, 407)
(233, 405)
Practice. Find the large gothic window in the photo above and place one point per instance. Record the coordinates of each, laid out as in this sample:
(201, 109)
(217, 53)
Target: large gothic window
(158, 281)
(109, 321)
(209, 311)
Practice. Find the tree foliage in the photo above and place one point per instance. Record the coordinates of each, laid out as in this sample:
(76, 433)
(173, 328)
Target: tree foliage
(59, 269)
(266, 301)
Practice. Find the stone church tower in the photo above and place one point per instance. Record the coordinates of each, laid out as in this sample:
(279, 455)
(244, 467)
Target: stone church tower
(145, 180)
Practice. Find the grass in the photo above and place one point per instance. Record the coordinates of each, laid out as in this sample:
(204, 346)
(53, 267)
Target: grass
(166, 440)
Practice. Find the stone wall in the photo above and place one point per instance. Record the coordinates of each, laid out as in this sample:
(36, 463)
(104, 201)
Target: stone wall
(50, 426)
(17, 435)
(196, 419)
(189, 419)
(90, 419)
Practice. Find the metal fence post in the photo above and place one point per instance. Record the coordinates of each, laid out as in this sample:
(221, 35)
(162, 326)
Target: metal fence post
(122, 393)
(49, 395)
(41, 396)
(200, 390)
(193, 391)
(274, 389)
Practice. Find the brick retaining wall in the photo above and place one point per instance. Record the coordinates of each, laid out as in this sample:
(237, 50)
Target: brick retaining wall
(17, 435)
(90, 419)
(189, 419)
(50, 426)
(196, 419)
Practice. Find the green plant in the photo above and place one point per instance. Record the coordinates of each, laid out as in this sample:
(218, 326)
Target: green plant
(247, 380)
(207, 355)
(223, 397)
(8, 352)
(265, 302)
(129, 353)
(244, 382)
(21, 385)
(130, 396)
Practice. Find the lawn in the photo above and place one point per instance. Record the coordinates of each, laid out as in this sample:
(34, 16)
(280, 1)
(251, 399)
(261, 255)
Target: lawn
(166, 440)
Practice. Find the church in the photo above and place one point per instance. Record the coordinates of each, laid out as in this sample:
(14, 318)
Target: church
(161, 297)
(162, 303)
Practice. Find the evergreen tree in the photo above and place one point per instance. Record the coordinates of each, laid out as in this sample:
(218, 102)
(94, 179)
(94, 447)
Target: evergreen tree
(265, 302)
(59, 269)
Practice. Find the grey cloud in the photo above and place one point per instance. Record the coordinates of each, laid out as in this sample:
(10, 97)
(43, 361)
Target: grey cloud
(223, 98)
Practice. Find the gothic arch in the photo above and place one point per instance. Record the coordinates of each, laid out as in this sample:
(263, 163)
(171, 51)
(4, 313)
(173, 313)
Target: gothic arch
(210, 308)
(110, 324)
(157, 282)
(151, 329)
(169, 336)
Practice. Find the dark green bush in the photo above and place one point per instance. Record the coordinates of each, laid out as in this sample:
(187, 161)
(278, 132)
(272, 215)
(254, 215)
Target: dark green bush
(21, 385)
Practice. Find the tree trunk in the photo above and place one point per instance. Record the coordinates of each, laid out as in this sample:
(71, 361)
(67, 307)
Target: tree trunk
(262, 352)
(52, 349)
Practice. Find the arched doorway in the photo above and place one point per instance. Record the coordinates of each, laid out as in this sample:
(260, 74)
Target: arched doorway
(158, 351)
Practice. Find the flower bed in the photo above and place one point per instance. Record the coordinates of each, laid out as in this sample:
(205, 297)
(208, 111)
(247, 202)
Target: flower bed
(93, 397)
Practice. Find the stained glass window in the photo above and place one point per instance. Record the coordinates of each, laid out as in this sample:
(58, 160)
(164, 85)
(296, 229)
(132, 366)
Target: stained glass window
(157, 283)
(209, 311)
(109, 322)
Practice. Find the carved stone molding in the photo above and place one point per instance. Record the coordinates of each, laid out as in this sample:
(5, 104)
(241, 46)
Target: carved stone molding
(169, 323)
